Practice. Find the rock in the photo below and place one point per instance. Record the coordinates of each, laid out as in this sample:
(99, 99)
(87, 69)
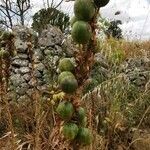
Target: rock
(68, 47)
(15, 57)
(26, 77)
(16, 80)
(38, 56)
(50, 37)
(40, 67)
(22, 56)
(24, 70)
(42, 88)
(40, 82)
(137, 71)
(20, 63)
(20, 46)
(32, 83)
(100, 70)
(58, 50)
(23, 33)
(37, 74)
(15, 70)
(24, 85)
(22, 98)
(47, 52)
(29, 92)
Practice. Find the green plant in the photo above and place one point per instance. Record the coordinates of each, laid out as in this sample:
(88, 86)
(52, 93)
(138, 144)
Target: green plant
(81, 32)
(65, 74)
(81, 114)
(73, 20)
(66, 64)
(84, 10)
(84, 136)
(50, 16)
(68, 84)
(65, 110)
(70, 131)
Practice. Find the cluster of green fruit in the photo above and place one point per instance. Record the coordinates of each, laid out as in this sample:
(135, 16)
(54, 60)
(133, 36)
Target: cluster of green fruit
(75, 122)
(66, 79)
(84, 11)
(74, 118)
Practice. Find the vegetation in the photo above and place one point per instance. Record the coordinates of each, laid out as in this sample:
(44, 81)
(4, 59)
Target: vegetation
(50, 16)
(95, 104)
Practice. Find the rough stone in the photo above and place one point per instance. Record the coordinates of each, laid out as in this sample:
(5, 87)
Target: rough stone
(40, 67)
(51, 36)
(20, 63)
(20, 46)
(16, 80)
(37, 74)
(21, 90)
(46, 55)
(26, 77)
(47, 52)
(24, 70)
(37, 56)
(23, 56)
(137, 70)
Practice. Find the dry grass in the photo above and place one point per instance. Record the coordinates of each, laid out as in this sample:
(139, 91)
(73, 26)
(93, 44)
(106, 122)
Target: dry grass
(114, 50)
(116, 112)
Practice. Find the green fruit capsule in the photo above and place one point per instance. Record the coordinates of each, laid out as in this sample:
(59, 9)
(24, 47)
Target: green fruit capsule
(84, 136)
(84, 9)
(81, 113)
(101, 3)
(65, 74)
(65, 110)
(66, 64)
(68, 84)
(70, 131)
(83, 122)
(73, 20)
(81, 32)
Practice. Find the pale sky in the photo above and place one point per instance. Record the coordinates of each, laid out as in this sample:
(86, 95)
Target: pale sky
(135, 15)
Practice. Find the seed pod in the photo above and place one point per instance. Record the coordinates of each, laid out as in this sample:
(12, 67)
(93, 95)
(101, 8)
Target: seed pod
(73, 20)
(65, 74)
(70, 131)
(84, 9)
(65, 110)
(66, 64)
(81, 32)
(68, 84)
(84, 136)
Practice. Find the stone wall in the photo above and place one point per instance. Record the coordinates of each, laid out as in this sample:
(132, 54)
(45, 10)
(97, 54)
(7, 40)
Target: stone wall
(35, 62)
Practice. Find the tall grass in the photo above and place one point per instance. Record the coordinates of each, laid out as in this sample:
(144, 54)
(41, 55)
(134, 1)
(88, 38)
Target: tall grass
(119, 108)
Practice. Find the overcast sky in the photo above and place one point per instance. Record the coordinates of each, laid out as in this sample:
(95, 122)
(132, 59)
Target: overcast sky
(135, 15)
